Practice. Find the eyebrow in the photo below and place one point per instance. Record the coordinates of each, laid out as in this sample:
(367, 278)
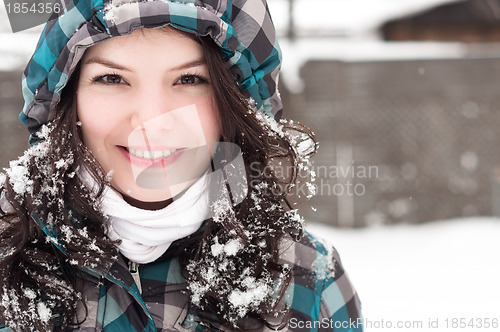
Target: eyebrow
(106, 63)
(110, 64)
(190, 64)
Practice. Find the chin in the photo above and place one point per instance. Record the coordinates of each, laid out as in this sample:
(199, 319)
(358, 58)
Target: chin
(149, 191)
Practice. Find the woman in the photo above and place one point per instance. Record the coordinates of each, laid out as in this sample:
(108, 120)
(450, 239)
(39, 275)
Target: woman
(149, 199)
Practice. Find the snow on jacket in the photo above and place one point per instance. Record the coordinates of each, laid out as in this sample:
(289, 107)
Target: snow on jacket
(321, 295)
(242, 28)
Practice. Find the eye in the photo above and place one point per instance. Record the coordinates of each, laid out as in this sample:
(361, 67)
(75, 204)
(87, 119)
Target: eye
(190, 80)
(109, 79)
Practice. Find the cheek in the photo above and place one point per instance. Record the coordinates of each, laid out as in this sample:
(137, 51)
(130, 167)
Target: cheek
(96, 117)
(210, 123)
(92, 129)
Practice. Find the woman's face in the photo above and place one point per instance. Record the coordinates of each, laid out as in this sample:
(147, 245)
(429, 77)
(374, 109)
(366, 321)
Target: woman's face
(147, 112)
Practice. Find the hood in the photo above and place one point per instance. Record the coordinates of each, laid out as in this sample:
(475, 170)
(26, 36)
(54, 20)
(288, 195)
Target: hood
(243, 29)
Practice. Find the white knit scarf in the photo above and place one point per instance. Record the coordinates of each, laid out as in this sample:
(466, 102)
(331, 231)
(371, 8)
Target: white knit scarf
(145, 235)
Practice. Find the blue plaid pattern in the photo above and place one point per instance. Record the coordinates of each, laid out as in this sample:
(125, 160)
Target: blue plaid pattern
(242, 28)
(321, 295)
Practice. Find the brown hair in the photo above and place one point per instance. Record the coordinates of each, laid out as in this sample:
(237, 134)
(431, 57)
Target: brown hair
(260, 222)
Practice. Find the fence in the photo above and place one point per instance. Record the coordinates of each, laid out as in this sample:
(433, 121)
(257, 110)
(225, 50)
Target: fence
(428, 130)
(13, 135)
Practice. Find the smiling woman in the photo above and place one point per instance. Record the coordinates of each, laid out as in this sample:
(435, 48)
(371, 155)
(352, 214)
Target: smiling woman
(137, 117)
(148, 200)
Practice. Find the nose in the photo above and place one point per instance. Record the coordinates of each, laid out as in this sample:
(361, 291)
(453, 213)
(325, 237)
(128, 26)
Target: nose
(152, 110)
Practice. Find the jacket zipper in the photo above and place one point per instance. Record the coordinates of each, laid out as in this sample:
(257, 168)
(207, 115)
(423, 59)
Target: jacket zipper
(133, 268)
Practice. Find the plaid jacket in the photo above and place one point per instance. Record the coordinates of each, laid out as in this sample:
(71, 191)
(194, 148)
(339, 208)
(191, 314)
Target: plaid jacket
(321, 295)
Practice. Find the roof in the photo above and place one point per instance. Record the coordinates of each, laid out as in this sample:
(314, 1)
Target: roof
(345, 18)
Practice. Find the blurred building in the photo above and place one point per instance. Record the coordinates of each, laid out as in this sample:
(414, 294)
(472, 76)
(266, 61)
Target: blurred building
(416, 99)
(466, 21)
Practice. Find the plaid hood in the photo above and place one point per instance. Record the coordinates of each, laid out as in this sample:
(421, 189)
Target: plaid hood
(242, 28)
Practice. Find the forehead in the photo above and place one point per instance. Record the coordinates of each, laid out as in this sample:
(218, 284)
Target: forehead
(165, 41)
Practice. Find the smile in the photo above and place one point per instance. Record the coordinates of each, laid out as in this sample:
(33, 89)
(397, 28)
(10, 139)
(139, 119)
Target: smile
(150, 154)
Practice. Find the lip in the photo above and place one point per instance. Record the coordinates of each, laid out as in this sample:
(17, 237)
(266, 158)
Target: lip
(156, 147)
(155, 163)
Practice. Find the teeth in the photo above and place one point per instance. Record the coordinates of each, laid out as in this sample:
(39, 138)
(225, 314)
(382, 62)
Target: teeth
(146, 154)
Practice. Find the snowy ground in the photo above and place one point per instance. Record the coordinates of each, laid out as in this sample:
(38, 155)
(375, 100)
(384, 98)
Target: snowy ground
(417, 274)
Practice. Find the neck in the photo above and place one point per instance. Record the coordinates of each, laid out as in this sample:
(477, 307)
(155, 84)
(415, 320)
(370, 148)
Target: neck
(147, 205)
